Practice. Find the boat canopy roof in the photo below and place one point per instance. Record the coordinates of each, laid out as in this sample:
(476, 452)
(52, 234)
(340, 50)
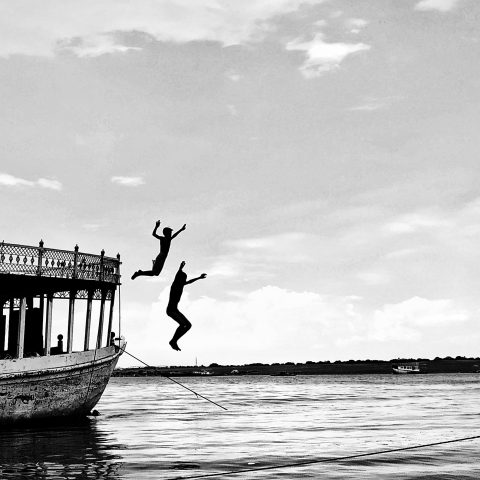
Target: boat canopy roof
(30, 271)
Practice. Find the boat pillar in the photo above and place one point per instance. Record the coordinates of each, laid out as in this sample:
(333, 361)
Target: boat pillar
(71, 317)
(21, 328)
(110, 317)
(88, 321)
(48, 324)
(100, 320)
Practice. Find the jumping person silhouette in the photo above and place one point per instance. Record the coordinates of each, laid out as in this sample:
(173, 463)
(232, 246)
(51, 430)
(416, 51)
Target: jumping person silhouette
(164, 248)
(176, 291)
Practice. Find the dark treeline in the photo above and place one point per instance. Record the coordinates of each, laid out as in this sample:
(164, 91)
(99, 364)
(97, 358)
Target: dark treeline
(448, 364)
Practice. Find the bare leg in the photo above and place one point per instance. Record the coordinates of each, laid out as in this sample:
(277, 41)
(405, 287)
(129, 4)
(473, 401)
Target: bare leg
(183, 328)
(146, 273)
(155, 271)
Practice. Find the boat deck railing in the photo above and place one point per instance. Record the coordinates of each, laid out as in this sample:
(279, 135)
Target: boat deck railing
(49, 262)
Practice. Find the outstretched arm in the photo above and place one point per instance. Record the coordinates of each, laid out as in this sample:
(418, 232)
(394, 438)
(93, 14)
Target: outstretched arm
(154, 233)
(181, 230)
(203, 275)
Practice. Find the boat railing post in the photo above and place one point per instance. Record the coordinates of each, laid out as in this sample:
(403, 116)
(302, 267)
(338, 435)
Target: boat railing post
(100, 320)
(118, 268)
(102, 255)
(88, 320)
(110, 316)
(71, 315)
(40, 257)
(75, 261)
(48, 324)
(21, 328)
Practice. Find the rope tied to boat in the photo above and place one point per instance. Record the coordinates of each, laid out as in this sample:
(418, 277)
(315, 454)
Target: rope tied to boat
(327, 460)
(178, 383)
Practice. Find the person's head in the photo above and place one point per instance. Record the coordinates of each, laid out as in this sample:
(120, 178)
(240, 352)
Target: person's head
(167, 231)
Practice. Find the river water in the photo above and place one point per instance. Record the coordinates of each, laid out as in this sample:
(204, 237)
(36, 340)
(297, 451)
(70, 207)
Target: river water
(150, 428)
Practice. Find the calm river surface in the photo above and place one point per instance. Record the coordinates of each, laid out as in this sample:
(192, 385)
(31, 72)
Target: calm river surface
(150, 428)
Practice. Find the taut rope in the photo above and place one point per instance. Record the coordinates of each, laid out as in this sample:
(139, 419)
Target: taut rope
(178, 383)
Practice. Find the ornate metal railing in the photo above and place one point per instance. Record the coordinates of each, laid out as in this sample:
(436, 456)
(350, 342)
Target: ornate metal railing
(49, 262)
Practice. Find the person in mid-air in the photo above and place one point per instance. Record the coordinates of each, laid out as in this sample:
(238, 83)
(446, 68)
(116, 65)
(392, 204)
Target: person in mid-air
(165, 242)
(176, 291)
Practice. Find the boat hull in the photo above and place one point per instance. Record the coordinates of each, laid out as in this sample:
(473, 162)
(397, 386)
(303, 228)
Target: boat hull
(67, 385)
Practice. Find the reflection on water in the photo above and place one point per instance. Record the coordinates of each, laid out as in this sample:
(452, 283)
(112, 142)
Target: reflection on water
(150, 428)
(62, 451)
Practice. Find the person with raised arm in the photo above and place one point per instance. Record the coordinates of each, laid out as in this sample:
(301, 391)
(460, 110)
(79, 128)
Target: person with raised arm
(165, 242)
(176, 291)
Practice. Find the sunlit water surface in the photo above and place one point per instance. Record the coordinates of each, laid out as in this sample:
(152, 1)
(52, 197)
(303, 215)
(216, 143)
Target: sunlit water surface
(150, 428)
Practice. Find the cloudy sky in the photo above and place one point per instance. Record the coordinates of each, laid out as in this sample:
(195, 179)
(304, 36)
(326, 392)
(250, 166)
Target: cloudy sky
(323, 154)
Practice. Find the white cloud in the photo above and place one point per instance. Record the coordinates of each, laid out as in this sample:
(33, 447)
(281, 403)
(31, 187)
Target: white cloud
(253, 326)
(355, 25)
(95, 45)
(411, 223)
(48, 183)
(322, 56)
(128, 181)
(275, 324)
(440, 5)
(405, 320)
(90, 28)
(11, 181)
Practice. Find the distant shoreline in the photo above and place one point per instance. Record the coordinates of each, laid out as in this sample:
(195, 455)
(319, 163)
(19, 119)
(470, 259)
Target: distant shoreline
(351, 367)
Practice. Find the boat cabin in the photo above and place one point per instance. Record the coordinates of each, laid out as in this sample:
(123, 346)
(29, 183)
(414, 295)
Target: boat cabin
(33, 279)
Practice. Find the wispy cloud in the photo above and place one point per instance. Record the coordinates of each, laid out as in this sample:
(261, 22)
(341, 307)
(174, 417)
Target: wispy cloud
(323, 57)
(128, 181)
(8, 180)
(368, 107)
(48, 183)
(96, 45)
(355, 25)
(92, 28)
(371, 104)
(286, 247)
(413, 222)
(439, 5)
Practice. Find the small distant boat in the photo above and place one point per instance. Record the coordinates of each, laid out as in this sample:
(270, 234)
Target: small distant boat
(202, 372)
(412, 367)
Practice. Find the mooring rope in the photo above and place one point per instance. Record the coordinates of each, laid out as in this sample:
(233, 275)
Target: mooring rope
(326, 460)
(178, 383)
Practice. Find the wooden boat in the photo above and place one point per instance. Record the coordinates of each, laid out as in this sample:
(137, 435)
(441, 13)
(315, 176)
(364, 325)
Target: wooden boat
(38, 380)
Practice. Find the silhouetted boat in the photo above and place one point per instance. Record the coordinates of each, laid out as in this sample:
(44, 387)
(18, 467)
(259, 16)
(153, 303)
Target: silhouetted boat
(38, 381)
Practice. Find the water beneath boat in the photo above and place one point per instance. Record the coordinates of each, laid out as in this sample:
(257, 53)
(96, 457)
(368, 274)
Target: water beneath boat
(150, 428)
